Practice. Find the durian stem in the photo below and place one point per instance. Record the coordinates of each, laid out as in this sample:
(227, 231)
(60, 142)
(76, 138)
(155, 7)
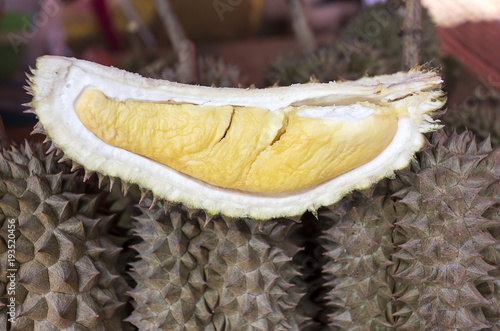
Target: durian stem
(185, 49)
(412, 34)
(301, 27)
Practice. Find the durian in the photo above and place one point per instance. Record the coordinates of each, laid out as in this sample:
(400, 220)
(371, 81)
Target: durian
(238, 152)
(420, 251)
(368, 44)
(195, 274)
(66, 274)
(359, 247)
(479, 113)
(446, 237)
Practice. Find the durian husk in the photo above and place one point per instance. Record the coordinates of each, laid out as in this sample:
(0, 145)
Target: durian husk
(489, 168)
(66, 261)
(420, 251)
(445, 221)
(199, 274)
(359, 248)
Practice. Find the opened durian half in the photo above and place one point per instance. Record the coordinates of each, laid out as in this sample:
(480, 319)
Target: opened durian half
(259, 153)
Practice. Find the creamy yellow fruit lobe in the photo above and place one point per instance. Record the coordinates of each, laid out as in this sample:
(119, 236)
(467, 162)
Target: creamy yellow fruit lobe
(245, 148)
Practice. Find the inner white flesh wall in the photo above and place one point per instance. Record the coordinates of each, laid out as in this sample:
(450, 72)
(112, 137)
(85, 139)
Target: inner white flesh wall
(59, 82)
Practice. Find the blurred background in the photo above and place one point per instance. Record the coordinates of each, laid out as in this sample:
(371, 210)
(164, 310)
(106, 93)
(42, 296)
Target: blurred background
(251, 42)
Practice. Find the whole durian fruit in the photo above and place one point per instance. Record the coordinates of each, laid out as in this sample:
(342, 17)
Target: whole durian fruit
(197, 274)
(369, 44)
(65, 262)
(420, 251)
(479, 113)
(446, 230)
(359, 248)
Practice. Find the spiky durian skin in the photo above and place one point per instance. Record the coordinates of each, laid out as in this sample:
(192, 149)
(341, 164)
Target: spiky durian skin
(195, 274)
(66, 277)
(359, 249)
(489, 168)
(442, 231)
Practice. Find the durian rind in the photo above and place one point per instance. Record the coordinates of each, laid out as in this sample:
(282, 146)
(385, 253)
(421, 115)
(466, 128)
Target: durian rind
(444, 236)
(67, 263)
(217, 276)
(58, 82)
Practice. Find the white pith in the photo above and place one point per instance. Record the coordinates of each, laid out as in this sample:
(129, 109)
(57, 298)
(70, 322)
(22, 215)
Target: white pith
(58, 82)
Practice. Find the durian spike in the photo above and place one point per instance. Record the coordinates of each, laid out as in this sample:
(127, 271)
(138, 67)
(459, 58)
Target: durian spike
(145, 193)
(169, 205)
(27, 149)
(28, 90)
(101, 179)
(154, 202)
(125, 187)
(51, 148)
(64, 159)
(192, 212)
(112, 181)
(38, 128)
(208, 219)
(87, 175)
(75, 166)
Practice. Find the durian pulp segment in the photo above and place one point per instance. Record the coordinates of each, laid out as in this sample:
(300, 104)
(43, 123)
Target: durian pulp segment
(246, 148)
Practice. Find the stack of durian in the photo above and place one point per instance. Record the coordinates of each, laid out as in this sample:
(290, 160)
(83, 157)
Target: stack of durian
(418, 250)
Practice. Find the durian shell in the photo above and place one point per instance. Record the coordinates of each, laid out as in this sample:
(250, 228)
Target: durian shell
(58, 81)
(389, 276)
(199, 275)
(443, 231)
(66, 261)
(359, 247)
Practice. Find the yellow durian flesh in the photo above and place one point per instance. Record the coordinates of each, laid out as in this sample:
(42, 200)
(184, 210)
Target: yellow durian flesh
(245, 148)
(308, 149)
